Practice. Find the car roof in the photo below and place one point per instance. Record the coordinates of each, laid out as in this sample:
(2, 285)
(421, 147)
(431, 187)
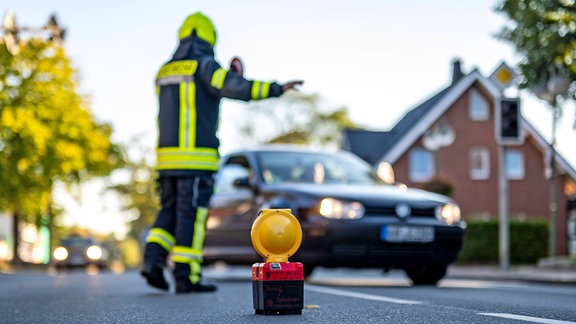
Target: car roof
(283, 148)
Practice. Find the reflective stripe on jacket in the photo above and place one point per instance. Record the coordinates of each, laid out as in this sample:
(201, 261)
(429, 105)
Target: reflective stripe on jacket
(189, 88)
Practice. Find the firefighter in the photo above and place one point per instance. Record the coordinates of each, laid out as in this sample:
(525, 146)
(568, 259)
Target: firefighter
(190, 87)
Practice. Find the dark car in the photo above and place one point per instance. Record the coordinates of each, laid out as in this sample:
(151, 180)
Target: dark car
(77, 251)
(349, 216)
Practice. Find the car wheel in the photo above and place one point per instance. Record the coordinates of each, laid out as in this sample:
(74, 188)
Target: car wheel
(426, 275)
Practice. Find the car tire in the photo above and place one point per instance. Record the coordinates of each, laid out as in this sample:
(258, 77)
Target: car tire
(308, 269)
(426, 275)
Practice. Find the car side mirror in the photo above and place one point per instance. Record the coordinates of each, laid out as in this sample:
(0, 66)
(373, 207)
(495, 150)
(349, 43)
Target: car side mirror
(242, 183)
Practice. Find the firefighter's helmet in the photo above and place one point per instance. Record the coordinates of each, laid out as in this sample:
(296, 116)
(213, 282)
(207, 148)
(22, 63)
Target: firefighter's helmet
(200, 25)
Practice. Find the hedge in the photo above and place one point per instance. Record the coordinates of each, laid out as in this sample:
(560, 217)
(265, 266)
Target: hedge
(528, 241)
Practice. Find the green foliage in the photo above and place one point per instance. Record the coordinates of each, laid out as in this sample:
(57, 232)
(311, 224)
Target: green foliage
(139, 192)
(130, 251)
(439, 186)
(528, 242)
(295, 118)
(47, 132)
(543, 33)
(481, 242)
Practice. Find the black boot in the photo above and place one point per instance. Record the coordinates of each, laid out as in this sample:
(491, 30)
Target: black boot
(154, 275)
(153, 265)
(184, 286)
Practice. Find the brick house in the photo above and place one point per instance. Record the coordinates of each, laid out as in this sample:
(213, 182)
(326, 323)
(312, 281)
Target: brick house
(451, 137)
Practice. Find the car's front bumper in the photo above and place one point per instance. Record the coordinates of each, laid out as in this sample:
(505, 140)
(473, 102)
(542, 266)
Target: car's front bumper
(79, 262)
(360, 245)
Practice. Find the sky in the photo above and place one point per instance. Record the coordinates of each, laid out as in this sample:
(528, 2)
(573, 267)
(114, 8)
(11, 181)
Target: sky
(378, 58)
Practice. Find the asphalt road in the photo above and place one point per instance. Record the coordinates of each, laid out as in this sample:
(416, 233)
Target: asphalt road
(330, 296)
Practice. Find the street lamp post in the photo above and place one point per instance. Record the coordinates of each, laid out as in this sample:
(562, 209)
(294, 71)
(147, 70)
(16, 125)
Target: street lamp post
(556, 83)
(11, 31)
(553, 188)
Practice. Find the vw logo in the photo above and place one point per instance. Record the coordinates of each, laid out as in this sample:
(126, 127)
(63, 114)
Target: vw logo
(403, 210)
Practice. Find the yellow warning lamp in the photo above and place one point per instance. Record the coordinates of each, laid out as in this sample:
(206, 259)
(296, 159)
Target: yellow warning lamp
(276, 234)
(277, 285)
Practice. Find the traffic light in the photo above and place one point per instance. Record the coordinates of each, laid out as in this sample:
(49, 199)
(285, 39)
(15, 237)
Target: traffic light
(509, 122)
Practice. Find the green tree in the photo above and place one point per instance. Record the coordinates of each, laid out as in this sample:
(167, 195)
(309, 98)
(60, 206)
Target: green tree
(139, 196)
(543, 33)
(139, 191)
(47, 132)
(296, 118)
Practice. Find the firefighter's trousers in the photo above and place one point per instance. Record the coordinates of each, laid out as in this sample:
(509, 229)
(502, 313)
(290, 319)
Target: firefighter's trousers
(180, 225)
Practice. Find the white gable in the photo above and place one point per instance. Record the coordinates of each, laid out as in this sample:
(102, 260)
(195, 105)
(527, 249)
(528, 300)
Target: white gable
(455, 92)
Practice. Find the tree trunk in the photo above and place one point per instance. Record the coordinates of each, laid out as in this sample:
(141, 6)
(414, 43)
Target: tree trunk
(16, 235)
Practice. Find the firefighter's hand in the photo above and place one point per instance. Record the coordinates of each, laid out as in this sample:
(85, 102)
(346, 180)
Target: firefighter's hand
(291, 85)
(236, 65)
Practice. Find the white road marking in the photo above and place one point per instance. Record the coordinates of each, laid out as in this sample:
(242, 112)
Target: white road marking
(527, 318)
(345, 293)
(456, 283)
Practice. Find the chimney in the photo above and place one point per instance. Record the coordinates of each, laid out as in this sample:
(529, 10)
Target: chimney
(456, 71)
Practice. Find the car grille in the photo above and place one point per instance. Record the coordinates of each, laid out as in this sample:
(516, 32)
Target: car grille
(391, 211)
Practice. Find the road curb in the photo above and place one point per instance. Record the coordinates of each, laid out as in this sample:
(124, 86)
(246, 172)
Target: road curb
(529, 274)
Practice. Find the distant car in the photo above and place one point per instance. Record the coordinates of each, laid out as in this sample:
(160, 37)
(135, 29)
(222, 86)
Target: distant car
(349, 216)
(77, 251)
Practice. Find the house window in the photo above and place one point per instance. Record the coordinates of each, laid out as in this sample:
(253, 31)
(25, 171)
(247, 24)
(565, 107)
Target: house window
(421, 165)
(514, 164)
(478, 107)
(479, 163)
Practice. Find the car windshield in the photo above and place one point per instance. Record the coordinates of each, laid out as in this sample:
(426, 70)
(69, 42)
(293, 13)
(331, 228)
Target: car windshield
(76, 242)
(315, 168)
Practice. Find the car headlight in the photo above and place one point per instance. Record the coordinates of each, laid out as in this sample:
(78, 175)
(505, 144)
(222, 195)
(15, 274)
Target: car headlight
(449, 213)
(94, 252)
(337, 209)
(60, 253)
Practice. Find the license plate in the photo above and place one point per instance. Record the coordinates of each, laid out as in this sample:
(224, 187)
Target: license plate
(396, 234)
(75, 260)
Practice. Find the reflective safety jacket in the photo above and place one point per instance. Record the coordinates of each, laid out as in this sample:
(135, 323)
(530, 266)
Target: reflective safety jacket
(190, 87)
